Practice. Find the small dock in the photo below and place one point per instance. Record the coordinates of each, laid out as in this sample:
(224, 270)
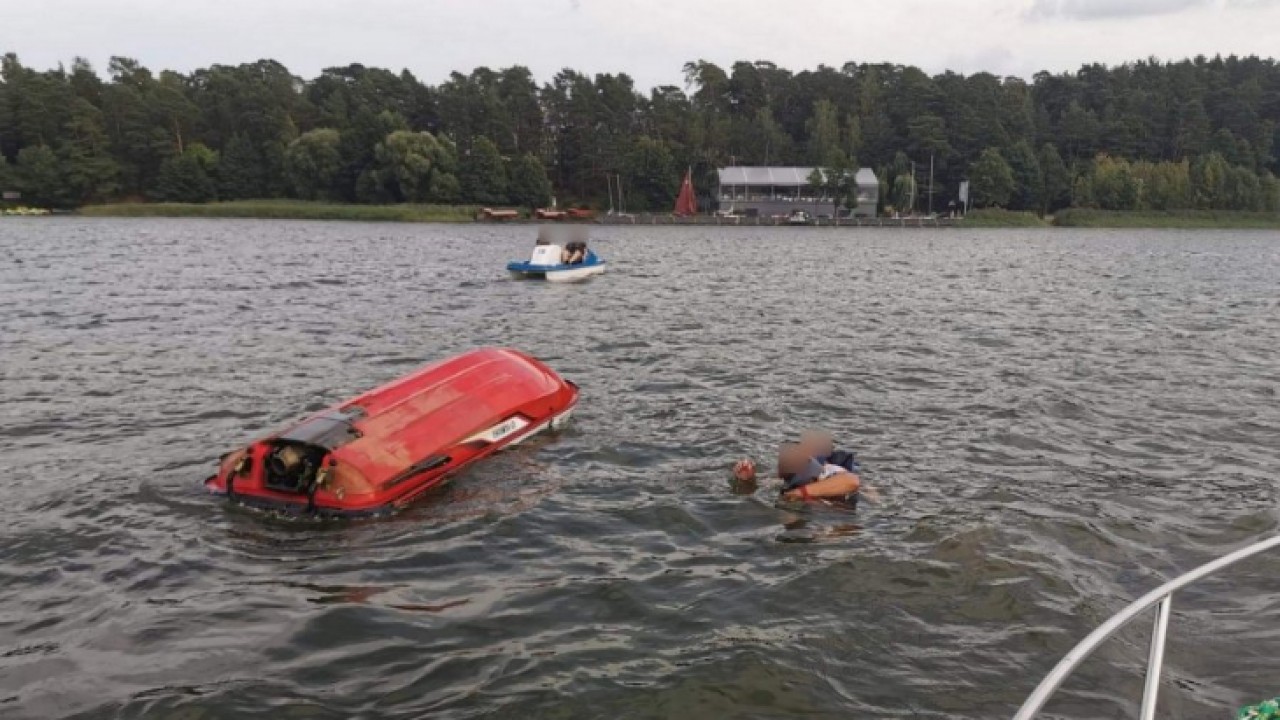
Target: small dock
(759, 221)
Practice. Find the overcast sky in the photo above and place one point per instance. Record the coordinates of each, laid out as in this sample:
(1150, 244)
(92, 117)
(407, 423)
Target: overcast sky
(649, 39)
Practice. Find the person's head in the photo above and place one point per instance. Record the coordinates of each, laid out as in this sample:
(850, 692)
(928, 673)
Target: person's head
(544, 237)
(792, 458)
(817, 443)
(796, 467)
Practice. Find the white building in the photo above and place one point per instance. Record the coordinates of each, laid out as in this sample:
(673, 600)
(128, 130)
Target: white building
(750, 190)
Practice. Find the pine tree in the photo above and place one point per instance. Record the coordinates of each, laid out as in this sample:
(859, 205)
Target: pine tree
(88, 168)
(39, 177)
(1055, 180)
(651, 176)
(824, 131)
(992, 180)
(1028, 178)
(188, 177)
(240, 170)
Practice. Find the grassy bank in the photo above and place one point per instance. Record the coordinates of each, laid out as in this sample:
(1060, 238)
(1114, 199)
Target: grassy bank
(1083, 218)
(1208, 219)
(987, 218)
(288, 210)
(996, 218)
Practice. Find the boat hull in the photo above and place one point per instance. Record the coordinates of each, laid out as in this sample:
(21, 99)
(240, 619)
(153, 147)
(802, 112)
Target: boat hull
(557, 273)
(379, 451)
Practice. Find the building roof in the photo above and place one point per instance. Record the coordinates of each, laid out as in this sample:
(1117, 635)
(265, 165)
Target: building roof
(780, 176)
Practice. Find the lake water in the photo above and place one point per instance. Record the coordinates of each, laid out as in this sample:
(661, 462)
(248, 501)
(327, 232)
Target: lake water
(1057, 421)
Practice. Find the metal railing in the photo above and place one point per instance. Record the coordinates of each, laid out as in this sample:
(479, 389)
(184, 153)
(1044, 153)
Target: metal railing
(1163, 596)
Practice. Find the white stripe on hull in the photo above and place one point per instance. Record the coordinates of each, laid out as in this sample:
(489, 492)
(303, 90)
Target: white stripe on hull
(556, 423)
(572, 275)
(575, 274)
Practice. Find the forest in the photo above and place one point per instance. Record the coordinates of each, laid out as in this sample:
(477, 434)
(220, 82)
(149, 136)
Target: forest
(1147, 135)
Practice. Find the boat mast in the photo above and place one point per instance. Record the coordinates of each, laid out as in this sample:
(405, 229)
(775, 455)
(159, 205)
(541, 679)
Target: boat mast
(913, 189)
(931, 184)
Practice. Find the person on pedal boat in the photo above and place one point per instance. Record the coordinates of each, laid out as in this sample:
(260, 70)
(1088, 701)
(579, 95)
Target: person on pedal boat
(576, 251)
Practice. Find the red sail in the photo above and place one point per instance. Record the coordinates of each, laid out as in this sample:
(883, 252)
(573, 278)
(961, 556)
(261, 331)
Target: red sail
(686, 203)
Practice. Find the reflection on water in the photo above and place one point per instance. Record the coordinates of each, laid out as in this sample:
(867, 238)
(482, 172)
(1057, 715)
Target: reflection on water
(1057, 421)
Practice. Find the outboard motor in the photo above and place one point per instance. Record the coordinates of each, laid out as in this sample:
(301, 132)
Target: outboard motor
(292, 467)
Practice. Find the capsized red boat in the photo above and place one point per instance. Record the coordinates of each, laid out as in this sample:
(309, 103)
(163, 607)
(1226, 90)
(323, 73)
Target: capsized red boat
(380, 450)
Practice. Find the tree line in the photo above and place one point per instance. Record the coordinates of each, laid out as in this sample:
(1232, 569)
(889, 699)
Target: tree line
(1198, 133)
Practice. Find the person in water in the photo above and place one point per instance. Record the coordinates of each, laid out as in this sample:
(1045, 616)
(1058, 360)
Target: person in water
(805, 478)
(808, 474)
(544, 237)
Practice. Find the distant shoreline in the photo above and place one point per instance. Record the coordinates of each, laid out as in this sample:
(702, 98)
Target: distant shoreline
(287, 210)
(1148, 219)
(302, 210)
